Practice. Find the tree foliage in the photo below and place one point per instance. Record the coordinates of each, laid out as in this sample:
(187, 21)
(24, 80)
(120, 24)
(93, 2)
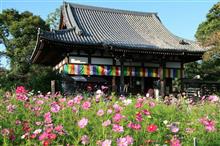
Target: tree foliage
(53, 19)
(208, 35)
(18, 32)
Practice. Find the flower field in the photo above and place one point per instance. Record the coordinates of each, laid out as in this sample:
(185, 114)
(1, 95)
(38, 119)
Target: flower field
(28, 119)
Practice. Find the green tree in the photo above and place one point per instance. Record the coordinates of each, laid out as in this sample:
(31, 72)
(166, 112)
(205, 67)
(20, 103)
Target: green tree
(18, 32)
(53, 19)
(208, 35)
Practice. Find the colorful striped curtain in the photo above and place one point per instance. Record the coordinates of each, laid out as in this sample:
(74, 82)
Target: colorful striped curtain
(104, 70)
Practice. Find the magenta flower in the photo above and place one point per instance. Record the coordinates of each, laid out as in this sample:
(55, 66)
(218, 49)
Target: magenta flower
(100, 112)
(86, 105)
(109, 111)
(129, 139)
(213, 98)
(40, 102)
(43, 136)
(209, 124)
(106, 123)
(122, 142)
(107, 142)
(61, 100)
(138, 117)
(117, 128)
(47, 118)
(83, 122)
(175, 141)
(138, 105)
(59, 129)
(21, 90)
(77, 99)
(74, 109)
(5, 132)
(117, 117)
(85, 140)
(152, 104)
(21, 93)
(174, 128)
(134, 126)
(11, 108)
(55, 108)
(117, 108)
(146, 112)
(70, 103)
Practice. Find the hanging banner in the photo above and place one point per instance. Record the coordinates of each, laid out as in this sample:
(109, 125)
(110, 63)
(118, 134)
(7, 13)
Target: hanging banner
(107, 70)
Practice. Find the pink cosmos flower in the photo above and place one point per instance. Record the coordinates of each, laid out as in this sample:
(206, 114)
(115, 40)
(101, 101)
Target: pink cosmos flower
(146, 112)
(175, 141)
(74, 109)
(152, 104)
(100, 112)
(210, 127)
(77, 99)
(40, 102)
(83, 122)
(70, 103)
(213, 98)
(140, 100)
(21, 93)
(151, 128)
(109, 111)
(17, 122)
(107, 142)
(138, 105)
(129, 139)
(47, 118)
(55, 108)
(86, 105)
(61, 100)
(174, 128)
(5, 132)
(11, 108)
(117, 117)
(59, 129)
(106, 123)
(43, 136)
(122, 142)
(21, 90)
(85, 140)
(117, 108)
(117, 128)
(209, 124)
(134, 126)
(138, 117)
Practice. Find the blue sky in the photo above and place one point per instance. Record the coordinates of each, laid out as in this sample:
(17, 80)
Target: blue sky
(181, 17)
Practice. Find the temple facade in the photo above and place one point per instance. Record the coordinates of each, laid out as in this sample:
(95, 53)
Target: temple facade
(126, 50)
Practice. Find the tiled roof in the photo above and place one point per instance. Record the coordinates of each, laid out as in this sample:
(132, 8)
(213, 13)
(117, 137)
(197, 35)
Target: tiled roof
(119, 28)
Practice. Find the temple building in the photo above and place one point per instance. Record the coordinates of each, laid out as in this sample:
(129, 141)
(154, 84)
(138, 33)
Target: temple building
(127, 50)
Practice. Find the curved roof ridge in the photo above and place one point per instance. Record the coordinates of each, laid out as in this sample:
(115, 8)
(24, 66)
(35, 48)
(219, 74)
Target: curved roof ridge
(110, 9)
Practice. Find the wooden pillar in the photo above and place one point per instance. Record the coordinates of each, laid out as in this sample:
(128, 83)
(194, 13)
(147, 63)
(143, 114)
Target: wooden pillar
(122, 76)
(114, 89)
(142, 84)
(142, 80)
(162, 77)
(182, 74)
(53, 86)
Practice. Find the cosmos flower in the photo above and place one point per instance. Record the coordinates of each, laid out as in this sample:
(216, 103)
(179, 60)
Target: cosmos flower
(83, 122)
(151, 128)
